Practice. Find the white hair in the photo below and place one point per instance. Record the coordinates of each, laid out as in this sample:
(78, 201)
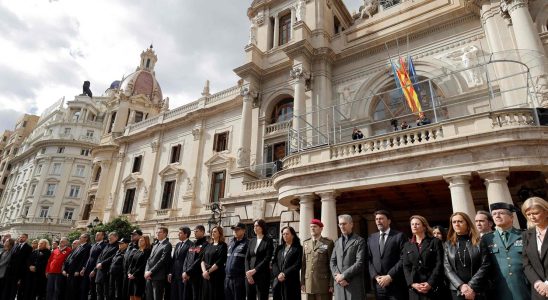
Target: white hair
(347, 218)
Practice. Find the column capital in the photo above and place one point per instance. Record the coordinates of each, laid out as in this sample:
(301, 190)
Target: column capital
(328, 195)
(306, 198)
(299, 72)
(458, 178)
(496, 174)
(508, 6)
(248, 92)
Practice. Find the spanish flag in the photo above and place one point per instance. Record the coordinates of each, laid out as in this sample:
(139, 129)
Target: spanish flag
(404, 82)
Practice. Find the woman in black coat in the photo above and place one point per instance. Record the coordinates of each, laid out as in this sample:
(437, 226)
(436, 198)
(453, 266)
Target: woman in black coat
(286, 266)
(423, 261)
(136, 270)
(466, 262)
(257, 263)
(535, 265)
(213, 266)
(36, 277)
(8, 284)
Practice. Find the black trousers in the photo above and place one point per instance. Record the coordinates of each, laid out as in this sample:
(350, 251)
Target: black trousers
(196, 286)
(116, 287)
(155, 289)
(235, 288)
(260, 289)
(87, 288)
(74, 284)
(55, 289)
(103, 289)
(179, 289)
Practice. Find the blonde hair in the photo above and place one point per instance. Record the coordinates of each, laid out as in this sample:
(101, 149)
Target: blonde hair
(533, 202)
(44, 241)
(472, 230)
(427, 229)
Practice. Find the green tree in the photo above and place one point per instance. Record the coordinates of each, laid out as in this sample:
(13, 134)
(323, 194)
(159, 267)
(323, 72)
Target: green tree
(121, 225)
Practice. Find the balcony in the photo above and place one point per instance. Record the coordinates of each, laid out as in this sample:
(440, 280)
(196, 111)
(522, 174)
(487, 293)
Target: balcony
(495, 123)
(278, 128)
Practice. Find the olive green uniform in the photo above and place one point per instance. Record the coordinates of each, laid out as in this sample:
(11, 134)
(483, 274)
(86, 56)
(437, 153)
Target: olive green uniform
(315, 273)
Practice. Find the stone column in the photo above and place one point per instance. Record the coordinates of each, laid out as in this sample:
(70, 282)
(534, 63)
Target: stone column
(299, 75)
(329, 214)
(292, 22)
(497, 188)
(276, 36)
(461, 196)
(245, 135)
(306, 214)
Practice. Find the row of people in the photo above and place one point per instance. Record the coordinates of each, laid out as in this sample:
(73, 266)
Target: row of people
(464, 266)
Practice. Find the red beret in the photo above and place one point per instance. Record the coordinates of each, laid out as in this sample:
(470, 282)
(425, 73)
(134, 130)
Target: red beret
(316, 222)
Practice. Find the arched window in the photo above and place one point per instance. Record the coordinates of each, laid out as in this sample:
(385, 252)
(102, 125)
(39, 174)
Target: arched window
(390, 104)
(283, 111)
(97, 174)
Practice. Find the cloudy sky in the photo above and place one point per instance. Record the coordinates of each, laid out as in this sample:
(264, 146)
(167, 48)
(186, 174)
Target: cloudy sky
(49, 47)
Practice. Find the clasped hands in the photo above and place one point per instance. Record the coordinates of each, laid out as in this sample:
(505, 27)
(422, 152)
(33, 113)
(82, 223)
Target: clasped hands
(422, 288)
(339, 278)
(541, 288)
(467, 291)
(384, 280)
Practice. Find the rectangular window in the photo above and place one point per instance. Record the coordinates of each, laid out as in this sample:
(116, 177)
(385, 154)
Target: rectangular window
(220, 142)
(51, 189)
(38, 169)
(128, 201)
(24, 124)
(89, 133)
(69, 212)
(25, 211)
(44, 211)
(112, 119)
(43, 150)
(61, 150)
(4, 180)
(85, 152)
(56, 169)
(67, 131)
(74, 191)
(138, 116)
(80, 169)
(137, 164)
(285, 29)
(217, 186)
(15, 150)
(167, 196)
(32, 189)
(175, 154)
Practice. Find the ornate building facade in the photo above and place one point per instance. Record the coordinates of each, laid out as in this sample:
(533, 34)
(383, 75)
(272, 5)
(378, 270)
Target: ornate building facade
(278, 145)
(49, 174)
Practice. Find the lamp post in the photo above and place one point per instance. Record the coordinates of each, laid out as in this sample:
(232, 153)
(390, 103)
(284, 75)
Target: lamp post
(94, 223)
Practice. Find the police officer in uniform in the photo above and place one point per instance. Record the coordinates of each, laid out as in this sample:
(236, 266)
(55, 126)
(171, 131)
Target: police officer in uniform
(316, 279)
(505, 247)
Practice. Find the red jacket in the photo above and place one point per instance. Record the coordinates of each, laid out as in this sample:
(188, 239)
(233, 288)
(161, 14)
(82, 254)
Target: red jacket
(56, 260)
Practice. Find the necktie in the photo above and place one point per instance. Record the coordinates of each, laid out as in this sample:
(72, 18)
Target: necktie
(314, 243)
(381, 244)
(504, 237)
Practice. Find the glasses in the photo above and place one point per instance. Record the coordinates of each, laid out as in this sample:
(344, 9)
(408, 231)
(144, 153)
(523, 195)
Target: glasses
(500, 213)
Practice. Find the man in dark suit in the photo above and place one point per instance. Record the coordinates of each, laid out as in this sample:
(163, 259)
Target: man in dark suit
(385, 267)
(133, 247)
(158, 265)
(192, 271)
(19, 256)
(347, 262)
(175, 277)
(101, 271)
(74, 264)
(88, 282)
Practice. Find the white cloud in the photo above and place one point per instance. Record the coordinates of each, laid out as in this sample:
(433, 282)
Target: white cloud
(50, 47)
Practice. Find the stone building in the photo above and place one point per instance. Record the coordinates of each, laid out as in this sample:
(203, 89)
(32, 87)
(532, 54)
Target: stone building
(49, 174)
(278, 144)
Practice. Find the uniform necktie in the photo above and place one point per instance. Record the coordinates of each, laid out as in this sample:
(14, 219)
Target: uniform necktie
(381, 244)
(505, 237)
(314, 243)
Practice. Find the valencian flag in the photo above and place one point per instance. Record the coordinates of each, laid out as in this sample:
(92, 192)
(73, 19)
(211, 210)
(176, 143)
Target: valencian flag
(403, 76)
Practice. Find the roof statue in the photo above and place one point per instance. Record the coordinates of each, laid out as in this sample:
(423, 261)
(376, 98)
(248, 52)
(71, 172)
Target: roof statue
(86, 90)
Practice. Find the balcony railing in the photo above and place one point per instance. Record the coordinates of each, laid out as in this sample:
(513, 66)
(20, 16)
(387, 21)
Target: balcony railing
(258, 185)
(499, 87)
(281, 127)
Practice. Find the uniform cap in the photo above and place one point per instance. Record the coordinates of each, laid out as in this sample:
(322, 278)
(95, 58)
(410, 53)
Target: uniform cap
(502, 205)
(316, 222)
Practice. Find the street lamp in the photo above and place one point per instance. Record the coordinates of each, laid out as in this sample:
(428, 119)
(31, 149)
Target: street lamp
(93, 223)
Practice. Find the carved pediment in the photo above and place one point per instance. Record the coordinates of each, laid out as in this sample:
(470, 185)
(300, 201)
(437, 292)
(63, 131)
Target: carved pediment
(219, 160)
(71, 203)
(171, 169)
(76, 181)
(132, 179)
(46, 201)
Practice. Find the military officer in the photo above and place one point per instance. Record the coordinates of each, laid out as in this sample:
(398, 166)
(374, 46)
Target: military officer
(316, 279)
(505, 247)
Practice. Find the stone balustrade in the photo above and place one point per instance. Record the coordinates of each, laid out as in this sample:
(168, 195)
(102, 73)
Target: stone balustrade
(278, 127)
(514, 117)
(258, 184)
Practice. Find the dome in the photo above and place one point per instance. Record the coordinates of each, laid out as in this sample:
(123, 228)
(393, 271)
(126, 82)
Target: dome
(115, 84)
(142, 82)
